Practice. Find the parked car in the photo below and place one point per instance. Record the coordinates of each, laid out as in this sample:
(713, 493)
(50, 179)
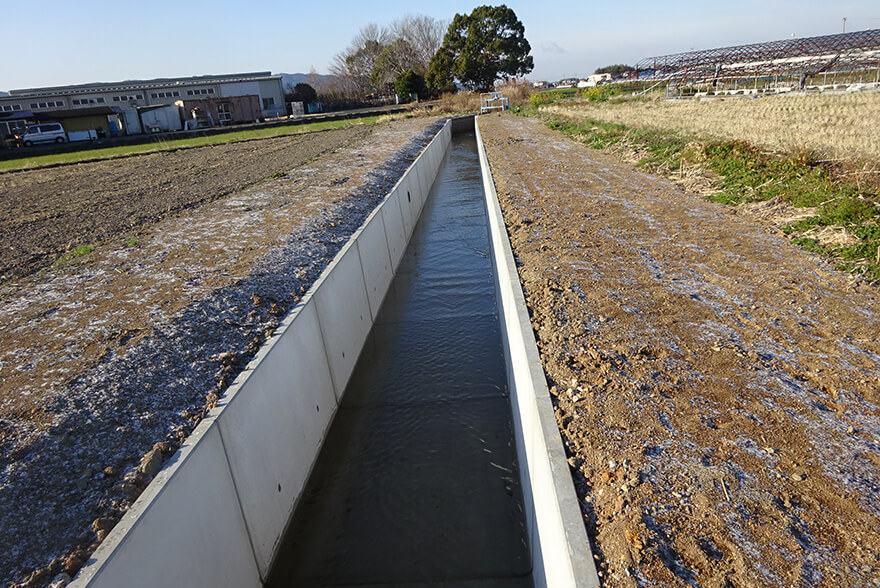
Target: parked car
(44, 133)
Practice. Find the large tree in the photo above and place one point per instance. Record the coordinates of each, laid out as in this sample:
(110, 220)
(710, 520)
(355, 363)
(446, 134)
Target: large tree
(354, 66)
(424, 36)
(394, 59)
(481, 47)
(377, 55)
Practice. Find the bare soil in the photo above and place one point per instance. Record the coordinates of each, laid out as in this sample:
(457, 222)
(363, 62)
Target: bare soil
(44, 212)
(716, 387)
(108, 362)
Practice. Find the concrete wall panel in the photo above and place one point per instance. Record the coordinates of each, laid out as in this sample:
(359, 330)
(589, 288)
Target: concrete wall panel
(405, 208)
(375, 261)
(191, 507)
(410, 195)
(273, 433)
(344, 314)
(394, 229)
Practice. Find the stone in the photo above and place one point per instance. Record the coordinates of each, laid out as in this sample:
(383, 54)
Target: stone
(151, 463)
(103, 524)
(59, 581)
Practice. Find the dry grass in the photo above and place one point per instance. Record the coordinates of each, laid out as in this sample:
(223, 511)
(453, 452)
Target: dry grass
(517, 90)
(834, 126)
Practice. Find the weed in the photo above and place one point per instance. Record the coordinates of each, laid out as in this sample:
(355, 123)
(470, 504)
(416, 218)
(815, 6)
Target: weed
(745, 173)
(132, 242)
(71, 254)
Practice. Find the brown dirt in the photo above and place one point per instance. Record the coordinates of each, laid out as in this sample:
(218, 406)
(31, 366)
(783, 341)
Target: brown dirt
(716, 387)
(43, 212)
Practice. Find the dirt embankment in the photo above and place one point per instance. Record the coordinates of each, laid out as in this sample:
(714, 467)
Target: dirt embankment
(43, 212)
(717, 388)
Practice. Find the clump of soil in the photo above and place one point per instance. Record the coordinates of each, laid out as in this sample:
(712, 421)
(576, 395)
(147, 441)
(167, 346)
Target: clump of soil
(717, 389)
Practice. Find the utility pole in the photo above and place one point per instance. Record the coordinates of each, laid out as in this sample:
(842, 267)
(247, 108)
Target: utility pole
(844, 24)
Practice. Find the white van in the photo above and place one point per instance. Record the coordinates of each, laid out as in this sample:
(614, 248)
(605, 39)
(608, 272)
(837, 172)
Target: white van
(45, 133)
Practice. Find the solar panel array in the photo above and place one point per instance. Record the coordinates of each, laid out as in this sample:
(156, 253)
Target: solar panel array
(804, 57)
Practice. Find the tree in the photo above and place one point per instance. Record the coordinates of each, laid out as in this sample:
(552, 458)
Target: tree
(304, 93)
(354, 66)
(409, 83)
(394, 59)
(617, 70)
(424, 35)
(480, 48)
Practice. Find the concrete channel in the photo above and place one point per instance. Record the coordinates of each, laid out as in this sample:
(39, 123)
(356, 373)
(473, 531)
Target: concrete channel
(371, 442)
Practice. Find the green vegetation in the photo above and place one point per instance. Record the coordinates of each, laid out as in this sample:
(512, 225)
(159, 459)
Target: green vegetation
(593, 94)
(409, 84)
(744, 173)
(170, 145)
(302, 92)
(479, 48)
(71, 254)
(617, 69)
(132, 242)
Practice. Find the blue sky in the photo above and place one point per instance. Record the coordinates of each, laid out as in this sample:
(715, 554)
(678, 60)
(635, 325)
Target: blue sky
(58, 42)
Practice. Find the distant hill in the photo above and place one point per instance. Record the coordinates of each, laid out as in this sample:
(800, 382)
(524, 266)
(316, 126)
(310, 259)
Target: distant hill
(296, 78)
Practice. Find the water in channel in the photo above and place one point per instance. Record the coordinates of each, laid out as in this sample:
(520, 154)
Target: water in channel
(416, 484)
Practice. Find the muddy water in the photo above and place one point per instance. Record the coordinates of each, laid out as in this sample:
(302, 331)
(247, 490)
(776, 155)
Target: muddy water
(417, 482)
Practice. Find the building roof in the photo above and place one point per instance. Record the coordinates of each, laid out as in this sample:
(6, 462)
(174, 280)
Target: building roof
(17, 115)
(75, 113)
(141, 84)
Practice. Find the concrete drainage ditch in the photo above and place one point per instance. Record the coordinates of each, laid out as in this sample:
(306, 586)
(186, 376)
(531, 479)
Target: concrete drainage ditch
(217, 513)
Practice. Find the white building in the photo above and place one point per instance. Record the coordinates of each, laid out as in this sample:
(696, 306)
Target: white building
(129, 95)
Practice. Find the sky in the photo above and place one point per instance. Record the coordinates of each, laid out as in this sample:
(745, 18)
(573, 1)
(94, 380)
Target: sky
(105, 41)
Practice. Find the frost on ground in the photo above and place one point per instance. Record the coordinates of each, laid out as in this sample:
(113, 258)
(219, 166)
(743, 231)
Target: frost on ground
(717, 389)
(108, 364)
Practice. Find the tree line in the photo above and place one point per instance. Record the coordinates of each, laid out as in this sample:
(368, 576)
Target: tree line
(420, 56)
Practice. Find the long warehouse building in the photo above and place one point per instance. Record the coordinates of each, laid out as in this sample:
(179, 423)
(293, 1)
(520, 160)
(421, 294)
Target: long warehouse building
(221, 95)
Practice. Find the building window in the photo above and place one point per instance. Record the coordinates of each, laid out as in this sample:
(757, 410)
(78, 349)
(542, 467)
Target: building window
(140, 96)
(268, 102)
(34, 105)
(200, 92)
(176, 94)
(116, 99)
(16, 107)
(100, 101)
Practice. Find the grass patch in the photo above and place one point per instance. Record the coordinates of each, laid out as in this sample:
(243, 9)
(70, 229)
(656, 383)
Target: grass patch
(166, 145)
(743, 173)
(71, 254)
(132, 242)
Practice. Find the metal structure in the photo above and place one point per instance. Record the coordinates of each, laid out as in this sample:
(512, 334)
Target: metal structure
(803, 58)
(493, 101)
